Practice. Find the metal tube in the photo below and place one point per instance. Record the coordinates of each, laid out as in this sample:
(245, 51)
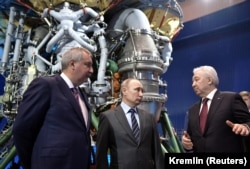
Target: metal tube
(9, 34)
(19, 37)
(171, 134)
(10, 155)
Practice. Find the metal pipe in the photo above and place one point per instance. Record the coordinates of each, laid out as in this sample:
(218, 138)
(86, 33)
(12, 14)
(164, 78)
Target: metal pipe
(10, 155)
(19, 37)
(9, 35)
(6, 136)
(171, 133)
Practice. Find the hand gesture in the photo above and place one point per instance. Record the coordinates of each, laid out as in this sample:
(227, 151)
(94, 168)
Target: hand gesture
(241, 129)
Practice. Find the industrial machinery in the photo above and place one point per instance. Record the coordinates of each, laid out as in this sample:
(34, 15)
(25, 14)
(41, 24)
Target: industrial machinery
(128, 38)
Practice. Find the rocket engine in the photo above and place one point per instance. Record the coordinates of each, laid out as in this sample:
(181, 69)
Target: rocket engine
(127, 39)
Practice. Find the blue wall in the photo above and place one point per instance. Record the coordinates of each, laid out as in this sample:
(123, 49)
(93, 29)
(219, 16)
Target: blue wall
(221, 40)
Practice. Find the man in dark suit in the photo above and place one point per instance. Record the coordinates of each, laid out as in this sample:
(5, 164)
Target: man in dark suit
(227, 121)
(50, 130)
(246, 98)
(115, 134)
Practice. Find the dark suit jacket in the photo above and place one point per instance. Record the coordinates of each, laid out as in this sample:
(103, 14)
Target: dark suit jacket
(115, 133)
(218, 136)
(49, 130)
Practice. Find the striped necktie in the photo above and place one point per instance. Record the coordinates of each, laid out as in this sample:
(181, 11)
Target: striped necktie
(135, 126)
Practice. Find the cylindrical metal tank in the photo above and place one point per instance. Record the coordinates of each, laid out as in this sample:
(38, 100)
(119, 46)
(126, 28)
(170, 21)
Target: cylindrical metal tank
(140, 59)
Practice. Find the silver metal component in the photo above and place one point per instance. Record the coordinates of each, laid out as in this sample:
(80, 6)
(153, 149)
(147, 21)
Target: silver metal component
(140, 59)
(132, 42)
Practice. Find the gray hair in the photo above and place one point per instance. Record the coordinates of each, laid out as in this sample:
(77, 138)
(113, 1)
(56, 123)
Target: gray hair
(75, 54)
(245, 93)
(210, 72)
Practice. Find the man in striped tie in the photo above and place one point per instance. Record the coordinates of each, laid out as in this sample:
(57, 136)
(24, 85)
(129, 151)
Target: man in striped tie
(129, 133)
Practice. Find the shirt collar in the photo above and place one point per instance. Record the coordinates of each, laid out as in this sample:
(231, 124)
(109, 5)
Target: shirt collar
(126, 108)
(67, 80)
(211, 94)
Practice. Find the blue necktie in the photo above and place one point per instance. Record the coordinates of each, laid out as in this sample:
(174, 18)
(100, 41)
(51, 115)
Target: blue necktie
(135, 126)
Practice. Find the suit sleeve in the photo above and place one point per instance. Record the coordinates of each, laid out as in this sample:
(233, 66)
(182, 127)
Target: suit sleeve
(30, 116)
(158, 154)
(240, 109)
(102, 142)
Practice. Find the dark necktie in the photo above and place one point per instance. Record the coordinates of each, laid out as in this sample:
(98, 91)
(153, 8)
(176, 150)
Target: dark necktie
(135, 126)
(75, 93)
(203, 114)
(81, 104)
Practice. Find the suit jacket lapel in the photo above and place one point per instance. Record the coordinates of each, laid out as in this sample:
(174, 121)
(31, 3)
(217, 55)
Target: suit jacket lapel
(143, 122)
(123, 121)
(71, 99)
(85, 100)
(216, 101)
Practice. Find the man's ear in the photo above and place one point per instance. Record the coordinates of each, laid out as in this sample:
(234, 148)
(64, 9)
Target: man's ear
(123, 90)
(210, 80)
(72, 64)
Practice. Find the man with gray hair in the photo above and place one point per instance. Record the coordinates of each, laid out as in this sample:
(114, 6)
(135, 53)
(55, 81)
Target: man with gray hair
(219, 121)
(52, 126)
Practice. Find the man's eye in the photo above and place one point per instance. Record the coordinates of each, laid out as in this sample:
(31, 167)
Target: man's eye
(88, 64)
(138, 89)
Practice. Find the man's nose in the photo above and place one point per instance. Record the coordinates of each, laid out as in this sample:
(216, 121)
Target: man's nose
(91, 69)
(193, 84)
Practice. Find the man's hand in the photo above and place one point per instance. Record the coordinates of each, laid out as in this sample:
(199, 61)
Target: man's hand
(186, 141)
(241, 129)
